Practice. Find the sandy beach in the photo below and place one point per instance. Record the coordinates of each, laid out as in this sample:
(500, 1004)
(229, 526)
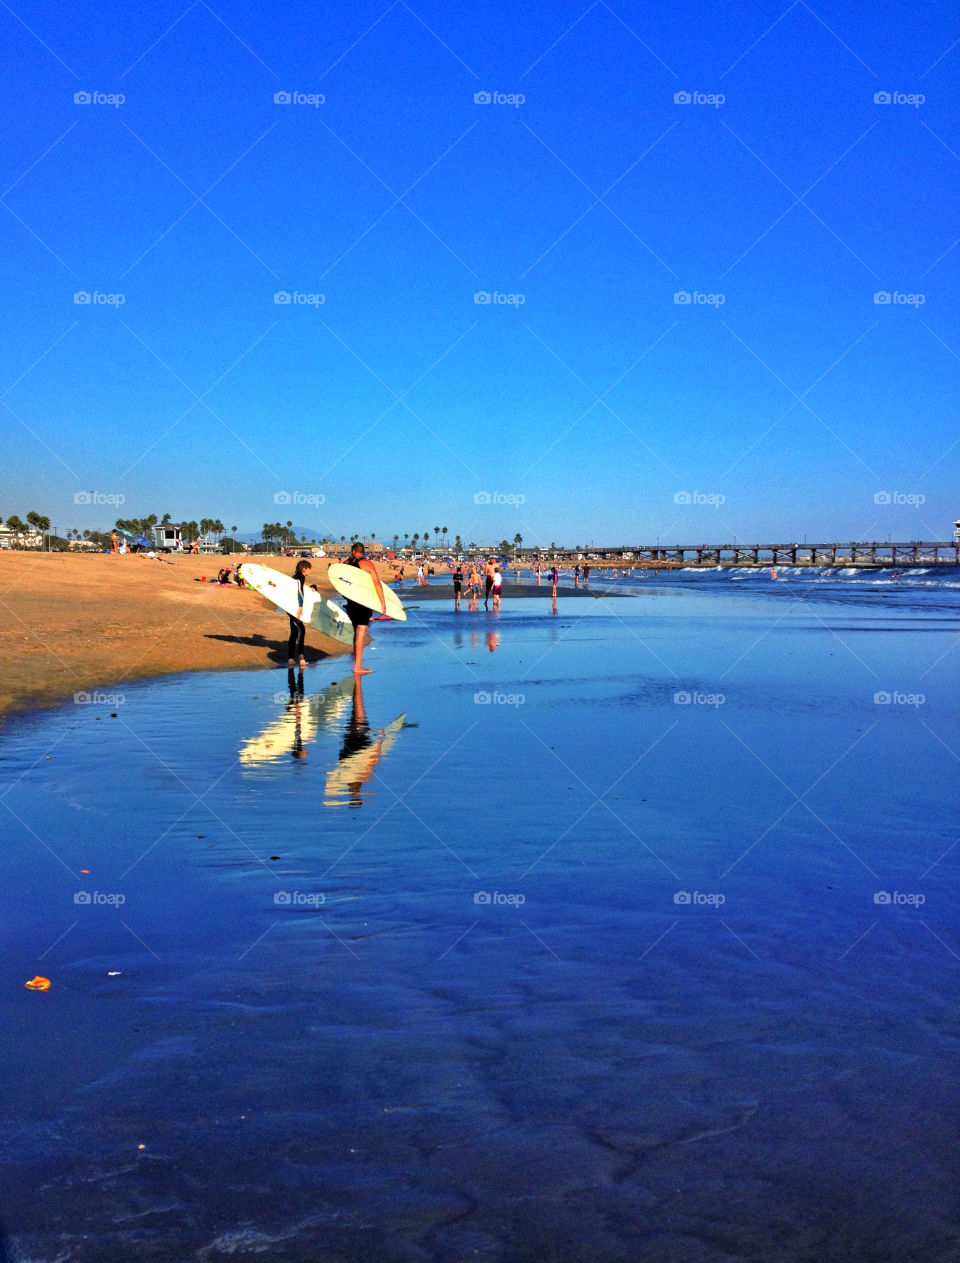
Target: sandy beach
(71, 622)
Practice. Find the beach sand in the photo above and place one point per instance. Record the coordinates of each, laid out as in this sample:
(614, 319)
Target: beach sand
(72, 622)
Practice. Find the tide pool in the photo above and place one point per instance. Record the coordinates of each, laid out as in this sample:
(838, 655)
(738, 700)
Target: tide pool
(623, 933)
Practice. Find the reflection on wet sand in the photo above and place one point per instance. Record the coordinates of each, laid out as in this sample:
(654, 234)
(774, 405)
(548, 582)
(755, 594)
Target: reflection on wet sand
(303, 718)
(338, 708)
(360, 754)
(491, 639)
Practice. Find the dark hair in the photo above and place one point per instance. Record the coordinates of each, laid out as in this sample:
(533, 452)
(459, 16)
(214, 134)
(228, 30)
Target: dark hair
(354, 547)
(301, 567)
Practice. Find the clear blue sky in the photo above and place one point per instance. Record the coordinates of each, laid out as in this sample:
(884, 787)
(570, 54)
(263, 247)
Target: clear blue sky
(598, 399)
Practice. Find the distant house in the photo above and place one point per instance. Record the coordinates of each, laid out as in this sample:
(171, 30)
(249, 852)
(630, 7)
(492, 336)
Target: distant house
(29, 537)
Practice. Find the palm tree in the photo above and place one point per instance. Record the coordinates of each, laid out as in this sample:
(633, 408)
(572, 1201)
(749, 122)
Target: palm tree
(395, 539)
(436, 531)
(444, 529)
(458, 545)
(517, 541)
(415, 538)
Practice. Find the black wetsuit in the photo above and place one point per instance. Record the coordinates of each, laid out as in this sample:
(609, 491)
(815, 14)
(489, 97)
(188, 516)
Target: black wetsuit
(359, 615)
(297, 630)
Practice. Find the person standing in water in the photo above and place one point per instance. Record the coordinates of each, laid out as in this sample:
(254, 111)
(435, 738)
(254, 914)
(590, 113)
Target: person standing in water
(359, 615)
(297, 629)
(457, 585)
(487, 581)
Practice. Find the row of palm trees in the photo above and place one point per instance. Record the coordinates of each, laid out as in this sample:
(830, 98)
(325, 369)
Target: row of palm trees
(34, 519)
(416, 538)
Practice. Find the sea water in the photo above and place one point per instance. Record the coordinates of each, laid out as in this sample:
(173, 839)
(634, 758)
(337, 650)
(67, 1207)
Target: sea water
(622, 933)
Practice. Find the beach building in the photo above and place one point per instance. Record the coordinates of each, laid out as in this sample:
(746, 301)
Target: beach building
(29, 537)
(165, 537)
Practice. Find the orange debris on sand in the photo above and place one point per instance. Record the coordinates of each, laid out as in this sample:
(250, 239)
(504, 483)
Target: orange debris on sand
(38, 984)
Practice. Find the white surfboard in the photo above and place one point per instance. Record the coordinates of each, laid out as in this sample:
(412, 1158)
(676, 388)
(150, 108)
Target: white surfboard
(358, 586)
(319, 612)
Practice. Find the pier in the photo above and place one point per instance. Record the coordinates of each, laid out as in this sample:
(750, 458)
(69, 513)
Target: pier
(864, 555)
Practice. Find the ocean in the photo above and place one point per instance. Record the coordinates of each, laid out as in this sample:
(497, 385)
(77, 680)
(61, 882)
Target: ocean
(622, 933)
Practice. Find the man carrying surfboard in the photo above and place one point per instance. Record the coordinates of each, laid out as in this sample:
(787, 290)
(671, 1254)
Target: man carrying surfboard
(360, 615)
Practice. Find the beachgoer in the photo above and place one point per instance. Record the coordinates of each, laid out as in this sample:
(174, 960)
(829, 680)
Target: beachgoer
(457, 586)
(359, 615)
(554, 579)
(576, 575)
(488, 581)
(114, 549)
(297, 629)
(538, 572)
(586, 574)
(497, 584)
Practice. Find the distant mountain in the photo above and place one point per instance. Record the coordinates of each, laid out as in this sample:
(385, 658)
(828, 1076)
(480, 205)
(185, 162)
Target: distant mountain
(255, 537)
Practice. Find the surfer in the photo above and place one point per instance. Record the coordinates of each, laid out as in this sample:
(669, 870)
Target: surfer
(297, 629)
(359, 615)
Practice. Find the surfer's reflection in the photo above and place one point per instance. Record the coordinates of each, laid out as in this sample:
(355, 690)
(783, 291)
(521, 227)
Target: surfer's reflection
(303, 718)
(360, 753)
(295, 684)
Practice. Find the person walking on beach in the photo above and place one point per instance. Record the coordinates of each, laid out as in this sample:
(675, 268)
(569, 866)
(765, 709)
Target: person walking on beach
(359, 615)
(488, 581)
(457, 585)
(554, 579)
(497, 584)
(538, 574)
(114, 549)
(297, 628)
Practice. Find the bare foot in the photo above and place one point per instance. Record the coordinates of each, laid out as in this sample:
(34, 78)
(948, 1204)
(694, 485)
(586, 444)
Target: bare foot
(303, 663)
(362, 671)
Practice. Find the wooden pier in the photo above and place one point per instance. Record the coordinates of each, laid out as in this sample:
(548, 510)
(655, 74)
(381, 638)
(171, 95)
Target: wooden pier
(863, 555)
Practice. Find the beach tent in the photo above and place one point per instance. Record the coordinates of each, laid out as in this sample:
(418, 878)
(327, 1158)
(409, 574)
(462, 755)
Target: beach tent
(140, 540)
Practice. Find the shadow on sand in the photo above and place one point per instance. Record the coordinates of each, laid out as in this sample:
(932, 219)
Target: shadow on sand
(275, 651)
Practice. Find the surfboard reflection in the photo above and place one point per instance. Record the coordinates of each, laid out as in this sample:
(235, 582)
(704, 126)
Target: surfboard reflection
(302, 720)
(362, 750)
(338, 709)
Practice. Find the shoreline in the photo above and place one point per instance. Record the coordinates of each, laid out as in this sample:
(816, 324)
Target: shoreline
(75, 623)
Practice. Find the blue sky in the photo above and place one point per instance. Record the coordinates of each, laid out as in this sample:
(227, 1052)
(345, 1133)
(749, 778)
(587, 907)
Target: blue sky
(584, 401)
